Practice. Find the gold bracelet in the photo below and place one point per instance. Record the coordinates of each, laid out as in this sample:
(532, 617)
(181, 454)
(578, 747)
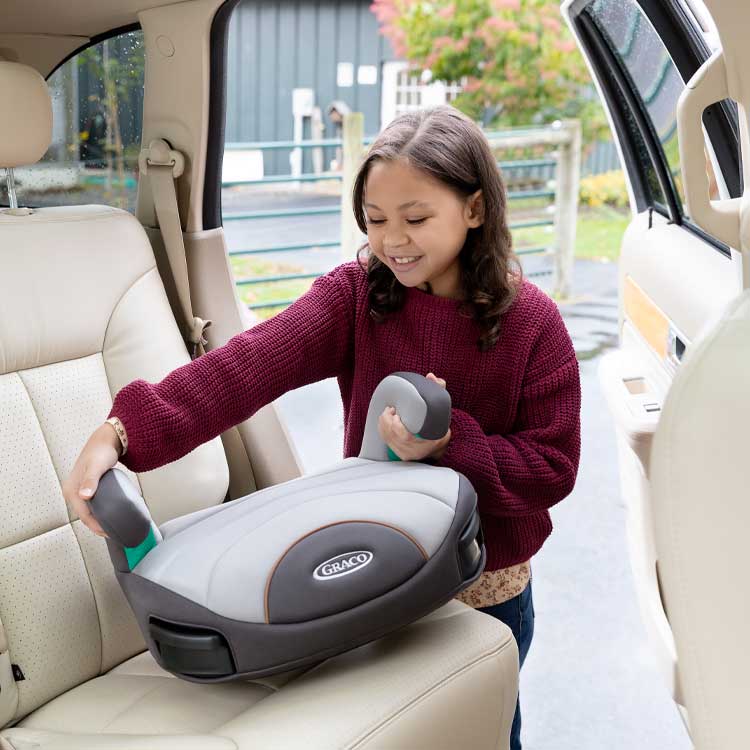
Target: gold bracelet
(120, 430)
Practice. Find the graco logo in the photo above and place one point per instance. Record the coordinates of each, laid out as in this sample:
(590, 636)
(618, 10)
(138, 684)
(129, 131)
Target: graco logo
(342, 565)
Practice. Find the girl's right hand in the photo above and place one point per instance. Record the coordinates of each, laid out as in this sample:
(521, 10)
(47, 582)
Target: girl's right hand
(101, 453)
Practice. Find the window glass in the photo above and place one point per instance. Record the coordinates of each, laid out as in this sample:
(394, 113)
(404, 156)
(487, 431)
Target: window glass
(97, 105)
(653, 186)
(654, 80)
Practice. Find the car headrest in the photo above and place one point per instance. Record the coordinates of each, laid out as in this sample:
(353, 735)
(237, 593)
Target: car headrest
(26, 123)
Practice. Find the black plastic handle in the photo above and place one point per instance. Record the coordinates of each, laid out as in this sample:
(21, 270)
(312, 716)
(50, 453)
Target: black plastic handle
(120, 510)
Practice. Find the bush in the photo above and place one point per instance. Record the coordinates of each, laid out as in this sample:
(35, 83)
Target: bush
(607, 188)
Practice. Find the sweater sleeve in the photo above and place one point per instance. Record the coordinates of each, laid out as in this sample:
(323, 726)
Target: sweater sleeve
(535, 465)
(309, 341)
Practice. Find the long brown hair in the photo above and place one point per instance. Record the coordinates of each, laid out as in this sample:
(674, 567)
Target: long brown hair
(448, 146)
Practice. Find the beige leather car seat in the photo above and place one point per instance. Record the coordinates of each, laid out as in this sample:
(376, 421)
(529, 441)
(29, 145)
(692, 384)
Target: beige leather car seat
(702, 519)
(82, 313)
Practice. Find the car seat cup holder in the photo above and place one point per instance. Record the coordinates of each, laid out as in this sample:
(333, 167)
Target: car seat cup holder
(304, 570)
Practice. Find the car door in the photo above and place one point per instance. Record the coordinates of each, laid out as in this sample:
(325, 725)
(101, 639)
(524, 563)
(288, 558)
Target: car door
(674, 277)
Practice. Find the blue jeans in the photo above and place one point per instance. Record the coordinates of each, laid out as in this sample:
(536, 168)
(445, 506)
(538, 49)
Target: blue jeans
(518, 614)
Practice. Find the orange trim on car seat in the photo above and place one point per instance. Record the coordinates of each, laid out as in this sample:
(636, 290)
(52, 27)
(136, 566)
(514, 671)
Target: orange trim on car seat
(338, 523)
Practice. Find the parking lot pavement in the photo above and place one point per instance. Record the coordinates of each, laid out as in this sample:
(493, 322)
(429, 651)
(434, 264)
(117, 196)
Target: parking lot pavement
(589, 682)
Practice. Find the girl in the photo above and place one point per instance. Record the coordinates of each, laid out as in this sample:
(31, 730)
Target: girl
(436, 289)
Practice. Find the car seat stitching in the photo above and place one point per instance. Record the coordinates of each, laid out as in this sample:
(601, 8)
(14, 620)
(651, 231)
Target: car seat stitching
(384, 720)
(135, 702)
(55, 362)
(276, 518)
(103, 216)
(104, 346)
(271, 494)
(37, 536)
(136, 281)
(315, 531)
(104, 337)
(69, 523)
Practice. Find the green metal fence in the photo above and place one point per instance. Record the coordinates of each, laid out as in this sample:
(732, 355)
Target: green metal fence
(548, 164)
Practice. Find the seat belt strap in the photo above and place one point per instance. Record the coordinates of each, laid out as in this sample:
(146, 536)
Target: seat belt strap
(163, 165)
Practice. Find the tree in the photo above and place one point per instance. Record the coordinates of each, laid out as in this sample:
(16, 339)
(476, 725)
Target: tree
(118, 68)
(516, 59)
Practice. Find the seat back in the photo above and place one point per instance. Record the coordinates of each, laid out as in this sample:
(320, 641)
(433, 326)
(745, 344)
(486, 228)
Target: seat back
(82, 313)
(702, 517)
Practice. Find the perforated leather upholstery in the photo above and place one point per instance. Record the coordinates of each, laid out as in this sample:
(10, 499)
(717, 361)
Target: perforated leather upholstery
(73, 333)
(82, 313)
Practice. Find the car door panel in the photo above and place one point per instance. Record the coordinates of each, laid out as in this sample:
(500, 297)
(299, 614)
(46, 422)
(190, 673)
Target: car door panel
(672, 285)
(674, 279)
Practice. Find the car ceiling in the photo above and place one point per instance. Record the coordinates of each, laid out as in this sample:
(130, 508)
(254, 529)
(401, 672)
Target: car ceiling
(85, 18)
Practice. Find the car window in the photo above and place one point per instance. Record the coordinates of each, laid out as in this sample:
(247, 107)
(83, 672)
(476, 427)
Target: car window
(654, 81)
(97, 106)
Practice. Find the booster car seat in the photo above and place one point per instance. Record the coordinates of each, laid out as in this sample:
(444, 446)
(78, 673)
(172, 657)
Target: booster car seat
(298, 572)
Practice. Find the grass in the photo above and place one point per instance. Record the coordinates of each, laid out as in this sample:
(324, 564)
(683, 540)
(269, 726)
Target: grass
(598, 233)
(248, 267)
(598, 236)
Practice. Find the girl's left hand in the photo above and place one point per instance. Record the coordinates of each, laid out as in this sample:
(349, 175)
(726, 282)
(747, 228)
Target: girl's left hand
(406, 446)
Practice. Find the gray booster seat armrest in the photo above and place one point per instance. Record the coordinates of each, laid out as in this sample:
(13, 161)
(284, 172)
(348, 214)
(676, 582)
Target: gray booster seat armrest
(293, 574)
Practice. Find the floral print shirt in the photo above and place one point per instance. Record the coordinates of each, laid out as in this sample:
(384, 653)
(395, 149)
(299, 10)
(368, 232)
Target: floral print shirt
(497, 586)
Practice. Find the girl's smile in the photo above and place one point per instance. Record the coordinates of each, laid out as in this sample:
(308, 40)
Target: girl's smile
(402, 264)
(417, 225)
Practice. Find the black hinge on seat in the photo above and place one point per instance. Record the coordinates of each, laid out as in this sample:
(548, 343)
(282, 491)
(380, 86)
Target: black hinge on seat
(18, 674)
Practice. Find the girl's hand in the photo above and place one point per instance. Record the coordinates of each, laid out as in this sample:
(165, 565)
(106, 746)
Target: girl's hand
(100, 453)
(405, 445)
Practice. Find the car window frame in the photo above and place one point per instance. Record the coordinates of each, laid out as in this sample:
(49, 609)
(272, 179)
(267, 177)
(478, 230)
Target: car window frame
(676, 31)
(619, 86)
(217, 103)
(91, 42)
(94, 40)
(689, 50)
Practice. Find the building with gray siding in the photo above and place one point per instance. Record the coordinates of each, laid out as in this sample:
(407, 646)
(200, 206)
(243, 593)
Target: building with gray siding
(332, 48)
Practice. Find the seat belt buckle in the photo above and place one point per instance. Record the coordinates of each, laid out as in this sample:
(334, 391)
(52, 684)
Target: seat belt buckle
(196, 337)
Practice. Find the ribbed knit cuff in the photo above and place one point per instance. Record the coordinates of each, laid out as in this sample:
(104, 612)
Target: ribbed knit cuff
(121, 408)
(467, 451)
(465, 430)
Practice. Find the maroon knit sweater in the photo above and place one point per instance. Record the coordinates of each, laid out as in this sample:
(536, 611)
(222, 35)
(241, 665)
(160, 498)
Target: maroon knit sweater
(516, 408)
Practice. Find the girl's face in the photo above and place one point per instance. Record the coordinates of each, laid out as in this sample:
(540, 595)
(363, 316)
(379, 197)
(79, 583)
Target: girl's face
(417, 226)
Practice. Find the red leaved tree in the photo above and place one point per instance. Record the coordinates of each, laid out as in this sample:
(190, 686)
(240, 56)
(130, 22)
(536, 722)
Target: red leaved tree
(516, 59)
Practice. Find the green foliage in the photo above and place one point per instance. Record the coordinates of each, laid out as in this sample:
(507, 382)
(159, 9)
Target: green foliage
(599, 233)
(516, 59)
(118, 64)
(272, 291)
(607, 188)
(115, 71)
